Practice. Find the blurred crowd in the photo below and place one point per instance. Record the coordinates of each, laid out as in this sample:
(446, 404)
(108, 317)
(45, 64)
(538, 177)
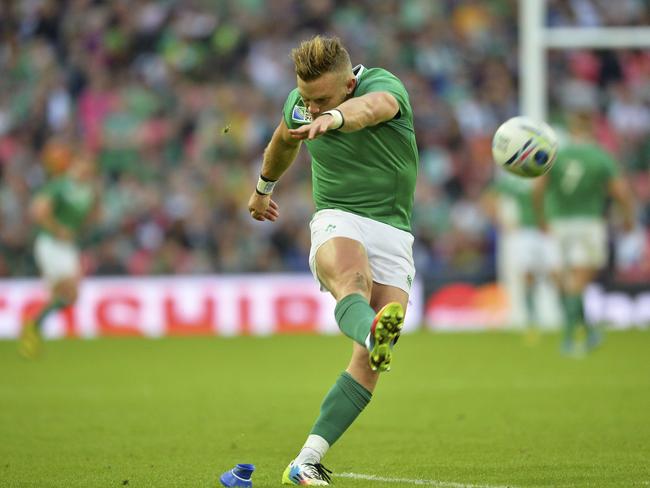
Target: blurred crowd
(175, 101)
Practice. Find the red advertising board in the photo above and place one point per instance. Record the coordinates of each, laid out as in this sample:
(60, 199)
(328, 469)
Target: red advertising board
(167, 306)
(463, 306)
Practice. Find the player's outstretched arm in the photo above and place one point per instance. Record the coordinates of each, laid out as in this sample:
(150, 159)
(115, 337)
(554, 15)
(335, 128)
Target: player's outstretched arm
(367, 110)
(620, 192)
(278, 156)
(352, 115)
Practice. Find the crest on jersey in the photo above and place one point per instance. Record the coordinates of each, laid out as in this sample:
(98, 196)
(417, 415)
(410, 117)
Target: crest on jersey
(300, 114)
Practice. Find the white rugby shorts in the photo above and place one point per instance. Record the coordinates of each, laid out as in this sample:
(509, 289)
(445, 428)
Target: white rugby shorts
(389, 250)
(582, 241)
(55, 258)
(535, 251)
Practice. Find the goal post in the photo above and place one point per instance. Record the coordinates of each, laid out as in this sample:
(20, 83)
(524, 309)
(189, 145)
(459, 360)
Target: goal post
(535, 39)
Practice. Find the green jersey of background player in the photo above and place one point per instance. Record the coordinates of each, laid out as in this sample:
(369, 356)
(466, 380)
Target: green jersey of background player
(519, 192)
(358, 127)
(572, 197)
(60, 210)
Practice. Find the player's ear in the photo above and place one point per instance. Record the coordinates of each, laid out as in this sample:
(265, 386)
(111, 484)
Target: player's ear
(351, 84)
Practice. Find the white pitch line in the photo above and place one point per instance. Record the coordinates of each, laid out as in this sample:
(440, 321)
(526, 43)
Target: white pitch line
(411, 481)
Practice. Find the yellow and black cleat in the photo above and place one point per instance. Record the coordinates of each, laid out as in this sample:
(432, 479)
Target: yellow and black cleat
(30, 343)
(384, 333)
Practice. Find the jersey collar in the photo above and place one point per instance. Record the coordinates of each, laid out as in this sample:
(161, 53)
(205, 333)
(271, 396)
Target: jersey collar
(357, 71)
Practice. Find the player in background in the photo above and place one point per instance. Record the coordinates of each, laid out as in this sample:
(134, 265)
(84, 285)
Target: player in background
(570, 201)
(524, 250)
(61, 209)
(357, 124)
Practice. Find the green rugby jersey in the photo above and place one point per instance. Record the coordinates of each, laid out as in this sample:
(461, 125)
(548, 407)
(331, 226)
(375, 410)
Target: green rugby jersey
(72, 201)
(370, 172)
(578, 183)
(520, 190)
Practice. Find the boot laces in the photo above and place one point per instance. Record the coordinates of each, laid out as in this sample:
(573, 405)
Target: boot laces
(318, 471)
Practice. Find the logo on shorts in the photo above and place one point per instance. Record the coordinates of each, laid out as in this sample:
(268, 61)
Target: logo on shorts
(409, 281)
(330, 228)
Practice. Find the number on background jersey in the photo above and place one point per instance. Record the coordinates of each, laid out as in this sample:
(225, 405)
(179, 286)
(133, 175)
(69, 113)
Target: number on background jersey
(572, 176)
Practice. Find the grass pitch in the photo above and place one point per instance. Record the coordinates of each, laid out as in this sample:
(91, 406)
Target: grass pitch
(468, 410)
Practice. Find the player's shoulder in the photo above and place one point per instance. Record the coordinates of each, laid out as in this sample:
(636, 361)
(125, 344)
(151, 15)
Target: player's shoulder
(577, 151)
(597, 154)
(293, 96)
(379, 79)
(367, 77)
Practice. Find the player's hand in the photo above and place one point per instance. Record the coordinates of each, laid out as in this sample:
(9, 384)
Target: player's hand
(63, 233)
(629, 226)
(543, 227)
(311, 131)
(261, 207)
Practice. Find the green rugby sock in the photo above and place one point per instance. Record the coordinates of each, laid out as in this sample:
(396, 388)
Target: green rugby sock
(355, 316)
(574, 315)
(51, 306)
(341, 406)
(529, 295)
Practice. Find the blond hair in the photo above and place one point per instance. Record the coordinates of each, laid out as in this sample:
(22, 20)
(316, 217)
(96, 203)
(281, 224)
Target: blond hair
(318, 56)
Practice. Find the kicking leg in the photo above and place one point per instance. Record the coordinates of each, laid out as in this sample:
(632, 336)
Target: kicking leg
(343, 268)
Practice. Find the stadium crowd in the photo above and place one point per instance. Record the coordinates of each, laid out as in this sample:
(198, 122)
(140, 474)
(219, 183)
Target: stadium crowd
(174, 100)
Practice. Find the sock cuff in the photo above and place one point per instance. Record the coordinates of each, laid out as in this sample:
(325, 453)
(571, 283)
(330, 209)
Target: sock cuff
(357, 394)
(346, 302)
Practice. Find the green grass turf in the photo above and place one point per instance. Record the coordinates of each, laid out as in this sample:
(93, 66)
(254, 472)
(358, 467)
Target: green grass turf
(473, 409)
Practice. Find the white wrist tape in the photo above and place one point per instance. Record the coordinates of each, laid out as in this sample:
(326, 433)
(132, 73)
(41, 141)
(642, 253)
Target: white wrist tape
(265, 187)
(337, 116)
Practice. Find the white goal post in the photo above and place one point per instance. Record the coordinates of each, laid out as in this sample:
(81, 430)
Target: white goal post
(535, 39)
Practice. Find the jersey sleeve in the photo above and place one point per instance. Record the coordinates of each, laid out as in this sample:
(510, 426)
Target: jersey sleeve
(388, 82)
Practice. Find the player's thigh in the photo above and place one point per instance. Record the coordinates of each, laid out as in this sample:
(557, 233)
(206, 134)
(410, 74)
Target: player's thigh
(338, 258)
(342, 267)
(535, 252)
(57, 260)
(390, 254)
(67, 288)
(583, 242)
(580, 277)
(522, 247)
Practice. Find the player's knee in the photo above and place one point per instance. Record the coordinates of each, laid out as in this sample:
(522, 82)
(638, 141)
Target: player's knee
(68, 291)
(363, 282)
(356, 282)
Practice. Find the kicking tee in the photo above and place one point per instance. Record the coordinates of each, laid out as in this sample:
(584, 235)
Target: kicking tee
(370, 172)
(578, 182)
(72, 201)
